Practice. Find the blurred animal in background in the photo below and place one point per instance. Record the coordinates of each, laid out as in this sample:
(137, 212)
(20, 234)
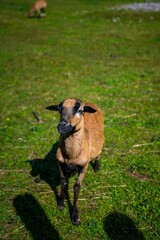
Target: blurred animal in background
(38, 9)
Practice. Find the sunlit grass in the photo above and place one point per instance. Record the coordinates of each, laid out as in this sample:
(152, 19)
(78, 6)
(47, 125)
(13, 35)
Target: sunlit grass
(85, 50)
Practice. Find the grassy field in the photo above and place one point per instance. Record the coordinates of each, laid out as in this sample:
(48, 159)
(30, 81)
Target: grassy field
(82, 49)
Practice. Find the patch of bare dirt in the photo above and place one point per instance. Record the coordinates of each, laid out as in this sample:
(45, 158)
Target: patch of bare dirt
(139, 176)
(152, 6)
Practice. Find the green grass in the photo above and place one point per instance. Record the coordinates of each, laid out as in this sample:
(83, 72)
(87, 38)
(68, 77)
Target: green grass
(85, 50)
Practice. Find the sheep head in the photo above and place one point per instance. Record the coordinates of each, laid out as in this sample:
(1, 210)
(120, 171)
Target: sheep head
(71, 115)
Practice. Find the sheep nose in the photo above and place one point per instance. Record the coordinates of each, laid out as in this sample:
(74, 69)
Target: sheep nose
(64, 126)
(63, 123)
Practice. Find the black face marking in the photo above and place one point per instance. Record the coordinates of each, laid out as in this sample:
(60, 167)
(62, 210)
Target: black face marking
(60, 107)
(76, 107)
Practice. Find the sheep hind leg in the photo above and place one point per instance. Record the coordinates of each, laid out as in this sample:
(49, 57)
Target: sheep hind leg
(43, 12)
(96, 164)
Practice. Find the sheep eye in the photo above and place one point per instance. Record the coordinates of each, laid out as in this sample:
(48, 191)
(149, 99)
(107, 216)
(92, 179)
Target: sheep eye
(80, 111)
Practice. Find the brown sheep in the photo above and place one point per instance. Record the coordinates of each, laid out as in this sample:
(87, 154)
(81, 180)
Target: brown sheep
(81, 141)
(38, 9)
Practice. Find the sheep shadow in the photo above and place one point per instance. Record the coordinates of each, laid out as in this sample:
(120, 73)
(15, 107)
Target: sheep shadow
(119, 226)
(34, 218)
(47, 169)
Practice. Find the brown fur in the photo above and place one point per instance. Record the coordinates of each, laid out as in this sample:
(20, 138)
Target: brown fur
(38, 9)
(86, 144)
(80, 146)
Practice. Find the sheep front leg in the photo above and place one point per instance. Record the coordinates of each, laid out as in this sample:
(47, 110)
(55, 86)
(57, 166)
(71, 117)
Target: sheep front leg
(63, 187)
(77, 187)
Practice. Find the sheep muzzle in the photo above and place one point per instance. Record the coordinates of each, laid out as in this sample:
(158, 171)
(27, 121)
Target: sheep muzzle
(64, 127)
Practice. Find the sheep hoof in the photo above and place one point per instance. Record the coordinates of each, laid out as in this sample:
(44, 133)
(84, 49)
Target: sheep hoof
(61, 205)
(75, 218)
(96, 169)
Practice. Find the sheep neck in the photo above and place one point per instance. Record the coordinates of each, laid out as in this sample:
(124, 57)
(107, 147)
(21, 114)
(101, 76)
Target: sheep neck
(72, 145)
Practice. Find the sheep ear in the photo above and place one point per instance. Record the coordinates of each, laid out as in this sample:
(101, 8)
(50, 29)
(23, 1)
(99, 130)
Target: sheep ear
(89, 109)
(53, 108)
